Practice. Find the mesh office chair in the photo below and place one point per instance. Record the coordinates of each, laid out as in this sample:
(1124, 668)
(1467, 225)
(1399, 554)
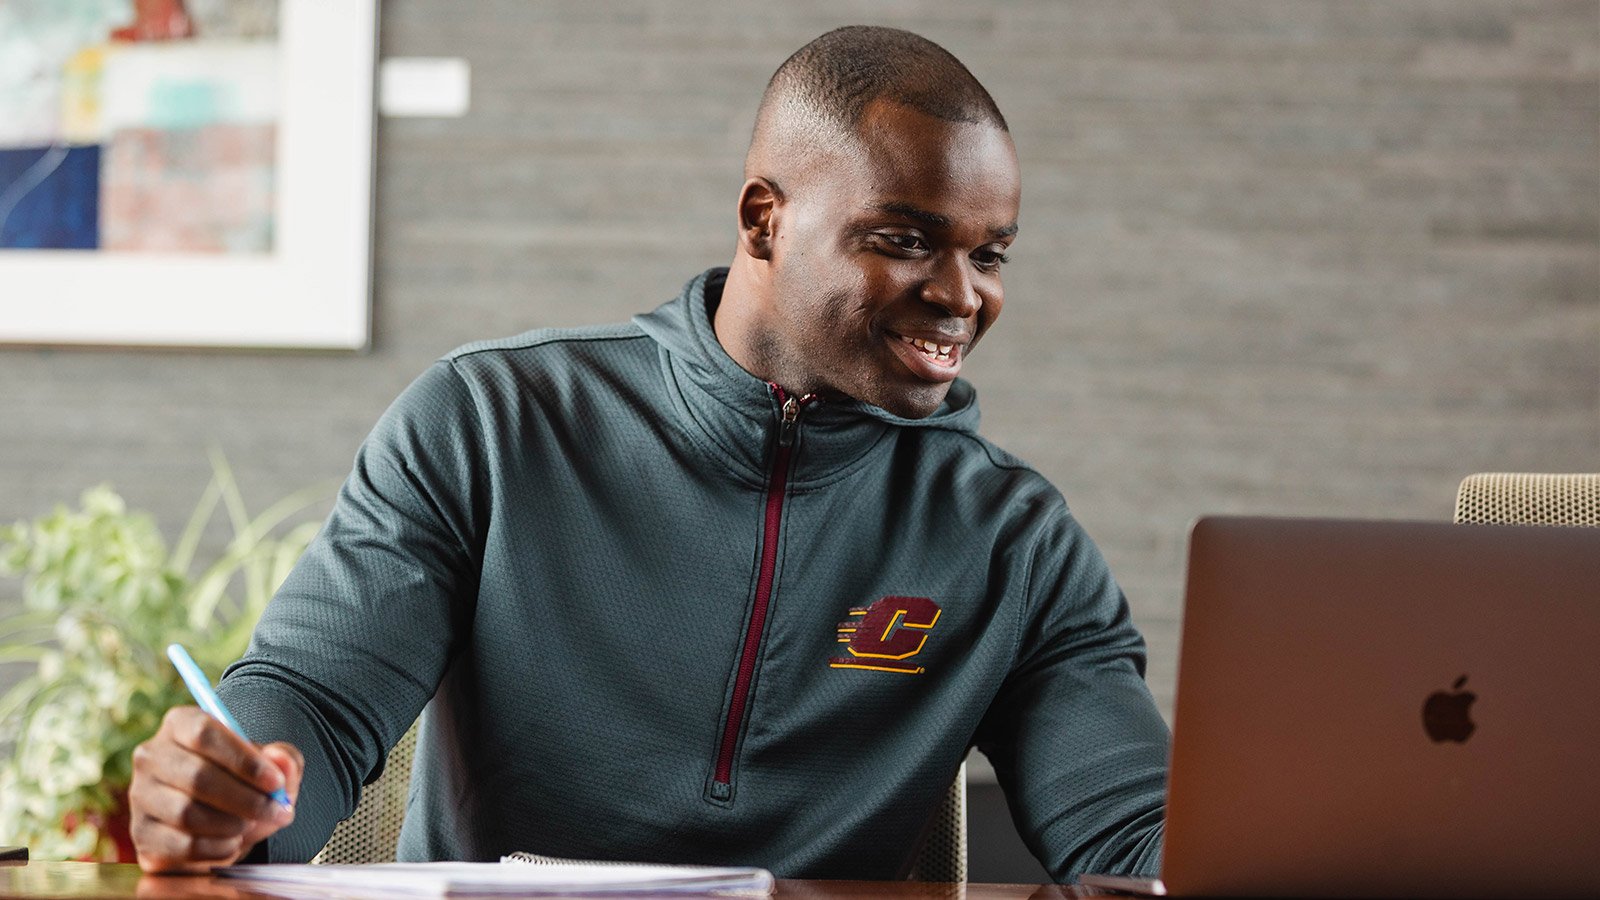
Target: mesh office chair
(371, 832)
(943, 856)
(1509, 498)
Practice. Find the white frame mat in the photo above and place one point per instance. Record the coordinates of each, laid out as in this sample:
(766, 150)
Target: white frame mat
(312, 291)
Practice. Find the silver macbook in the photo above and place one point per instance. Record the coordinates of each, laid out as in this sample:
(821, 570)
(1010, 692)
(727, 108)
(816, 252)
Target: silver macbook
(1385, 709)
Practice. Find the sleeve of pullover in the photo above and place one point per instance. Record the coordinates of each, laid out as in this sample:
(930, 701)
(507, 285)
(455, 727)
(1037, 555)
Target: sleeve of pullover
(358, 637)
(1075, 737)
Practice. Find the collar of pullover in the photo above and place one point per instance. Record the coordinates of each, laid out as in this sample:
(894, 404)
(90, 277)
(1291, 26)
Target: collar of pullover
(739, 413)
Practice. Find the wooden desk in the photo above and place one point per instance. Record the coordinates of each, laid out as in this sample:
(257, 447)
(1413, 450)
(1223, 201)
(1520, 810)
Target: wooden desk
(75, 881)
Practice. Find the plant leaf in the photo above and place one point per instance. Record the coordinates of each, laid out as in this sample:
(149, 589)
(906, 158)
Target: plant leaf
(189, 541)
(21, 653)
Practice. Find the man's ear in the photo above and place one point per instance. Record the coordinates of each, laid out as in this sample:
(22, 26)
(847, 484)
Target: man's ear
(758, 206)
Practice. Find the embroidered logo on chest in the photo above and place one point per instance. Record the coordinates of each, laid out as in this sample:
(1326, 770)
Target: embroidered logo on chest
(887, 635)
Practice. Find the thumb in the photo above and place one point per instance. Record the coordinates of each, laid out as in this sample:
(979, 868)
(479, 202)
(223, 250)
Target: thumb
(289, 761)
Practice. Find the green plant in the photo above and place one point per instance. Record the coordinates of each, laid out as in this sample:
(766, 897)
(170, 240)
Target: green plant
(101, 599)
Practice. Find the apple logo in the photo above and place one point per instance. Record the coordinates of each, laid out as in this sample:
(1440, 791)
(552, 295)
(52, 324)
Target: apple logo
(1447, 715)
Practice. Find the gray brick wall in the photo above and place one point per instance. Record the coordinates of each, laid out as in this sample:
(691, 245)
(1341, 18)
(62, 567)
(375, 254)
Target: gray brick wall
(1277, 256)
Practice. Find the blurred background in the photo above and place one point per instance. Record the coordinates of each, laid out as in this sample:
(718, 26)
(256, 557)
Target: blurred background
(1276, 256)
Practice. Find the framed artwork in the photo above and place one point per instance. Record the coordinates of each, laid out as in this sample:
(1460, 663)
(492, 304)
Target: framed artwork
(186, 172)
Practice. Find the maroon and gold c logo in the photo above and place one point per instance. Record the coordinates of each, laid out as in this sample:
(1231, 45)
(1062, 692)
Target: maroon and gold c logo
(883, 636)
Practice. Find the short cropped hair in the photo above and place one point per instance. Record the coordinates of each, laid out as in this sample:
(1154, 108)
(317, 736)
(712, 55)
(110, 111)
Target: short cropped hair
(835, 77)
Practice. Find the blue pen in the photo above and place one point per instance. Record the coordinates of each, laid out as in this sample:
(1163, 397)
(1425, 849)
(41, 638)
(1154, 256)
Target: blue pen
(200, 687)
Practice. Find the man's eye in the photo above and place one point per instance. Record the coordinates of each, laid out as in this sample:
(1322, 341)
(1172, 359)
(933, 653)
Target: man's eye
(910, 243)
(990, 259)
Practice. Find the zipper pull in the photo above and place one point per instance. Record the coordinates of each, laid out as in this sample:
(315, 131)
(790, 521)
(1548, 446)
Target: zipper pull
(791, 422)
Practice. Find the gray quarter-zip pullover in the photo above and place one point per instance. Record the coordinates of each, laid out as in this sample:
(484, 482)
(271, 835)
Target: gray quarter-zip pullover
(665, 612)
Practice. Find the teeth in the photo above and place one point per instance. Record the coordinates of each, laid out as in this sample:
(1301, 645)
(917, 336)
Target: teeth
(942, 351)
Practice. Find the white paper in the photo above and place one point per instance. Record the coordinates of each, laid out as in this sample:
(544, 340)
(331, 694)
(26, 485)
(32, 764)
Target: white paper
(445, 879)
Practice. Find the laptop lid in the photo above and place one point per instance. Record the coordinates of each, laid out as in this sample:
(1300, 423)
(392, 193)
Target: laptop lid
(1387, 709)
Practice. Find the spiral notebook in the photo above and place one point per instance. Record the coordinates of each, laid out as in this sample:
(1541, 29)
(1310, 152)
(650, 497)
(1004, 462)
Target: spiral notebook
(521, 874)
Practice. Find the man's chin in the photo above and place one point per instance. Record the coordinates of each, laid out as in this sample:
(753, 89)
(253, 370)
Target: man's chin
(915, 403)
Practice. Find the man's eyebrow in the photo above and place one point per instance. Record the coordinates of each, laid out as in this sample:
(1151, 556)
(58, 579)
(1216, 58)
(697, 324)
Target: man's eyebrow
(914, 212)
(934, 219)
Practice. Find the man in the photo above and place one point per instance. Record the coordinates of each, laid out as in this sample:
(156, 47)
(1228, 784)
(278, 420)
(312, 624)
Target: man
(736, 582)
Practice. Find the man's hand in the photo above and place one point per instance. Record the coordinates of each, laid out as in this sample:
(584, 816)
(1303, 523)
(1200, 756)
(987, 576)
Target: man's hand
(199, 794)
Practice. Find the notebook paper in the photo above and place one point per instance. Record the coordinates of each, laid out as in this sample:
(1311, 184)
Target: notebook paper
(448, 879)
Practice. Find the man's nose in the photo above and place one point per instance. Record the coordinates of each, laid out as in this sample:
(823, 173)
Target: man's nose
(949, 286)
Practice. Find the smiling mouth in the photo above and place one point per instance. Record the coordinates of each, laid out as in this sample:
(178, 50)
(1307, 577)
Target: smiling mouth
(938, 354)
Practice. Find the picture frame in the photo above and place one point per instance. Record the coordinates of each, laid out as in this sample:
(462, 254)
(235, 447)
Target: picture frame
(311, 290)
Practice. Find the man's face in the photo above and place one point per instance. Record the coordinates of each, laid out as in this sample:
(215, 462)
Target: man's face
(886, 265)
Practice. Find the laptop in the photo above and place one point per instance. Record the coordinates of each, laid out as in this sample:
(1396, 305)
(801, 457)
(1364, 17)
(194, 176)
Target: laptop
(1385, 709)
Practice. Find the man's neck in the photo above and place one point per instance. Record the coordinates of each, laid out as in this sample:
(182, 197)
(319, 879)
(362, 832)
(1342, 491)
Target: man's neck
(734, 314)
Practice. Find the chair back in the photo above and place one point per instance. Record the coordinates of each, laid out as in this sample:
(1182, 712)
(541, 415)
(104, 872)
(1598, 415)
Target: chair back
(373, 830)
(943, 856)
(1519, 498)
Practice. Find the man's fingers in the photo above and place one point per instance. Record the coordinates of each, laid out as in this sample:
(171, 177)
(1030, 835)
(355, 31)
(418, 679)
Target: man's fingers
(163, 848)
(289, 761)
(287, 758)
(194, 730)
(170, 806)
(197, 776)
(199, 796)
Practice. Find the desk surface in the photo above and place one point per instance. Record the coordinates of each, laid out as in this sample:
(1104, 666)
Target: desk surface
(72, 881)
